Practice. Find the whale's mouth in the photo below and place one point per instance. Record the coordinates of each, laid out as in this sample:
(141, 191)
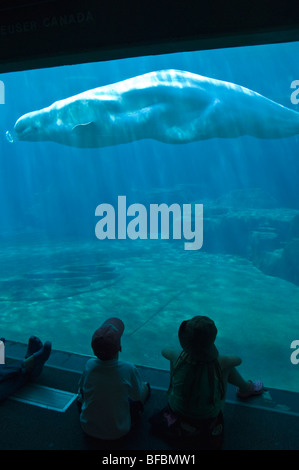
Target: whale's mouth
(20, 132)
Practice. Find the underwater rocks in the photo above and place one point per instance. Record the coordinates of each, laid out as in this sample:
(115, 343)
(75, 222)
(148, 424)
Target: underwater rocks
(267, 236)
(284, 262)
(252, 198)
(64, 282)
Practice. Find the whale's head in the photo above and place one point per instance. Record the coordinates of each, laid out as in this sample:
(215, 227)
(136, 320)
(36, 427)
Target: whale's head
(56, 123)
(82, 123)
(31, 127)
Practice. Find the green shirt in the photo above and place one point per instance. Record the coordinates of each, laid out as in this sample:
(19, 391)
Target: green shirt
(197, 405)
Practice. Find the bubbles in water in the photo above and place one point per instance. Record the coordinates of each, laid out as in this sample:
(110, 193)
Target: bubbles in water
(9, 137)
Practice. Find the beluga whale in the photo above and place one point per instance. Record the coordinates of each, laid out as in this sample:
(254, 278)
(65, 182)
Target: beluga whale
(170, 106)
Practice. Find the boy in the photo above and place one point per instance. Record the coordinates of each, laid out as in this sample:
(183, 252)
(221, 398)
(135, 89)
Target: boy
(109, 389)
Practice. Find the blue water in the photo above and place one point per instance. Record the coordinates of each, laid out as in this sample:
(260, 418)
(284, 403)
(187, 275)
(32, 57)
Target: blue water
(60, 282)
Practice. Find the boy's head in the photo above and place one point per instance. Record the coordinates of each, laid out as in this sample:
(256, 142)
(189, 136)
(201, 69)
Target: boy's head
(197, 337)
(106, 339)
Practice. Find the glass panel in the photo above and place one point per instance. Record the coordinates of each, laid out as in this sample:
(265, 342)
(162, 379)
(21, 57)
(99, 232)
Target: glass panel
(81, 238)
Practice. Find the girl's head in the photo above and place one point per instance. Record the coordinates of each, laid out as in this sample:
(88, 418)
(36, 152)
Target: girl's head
(197, 338)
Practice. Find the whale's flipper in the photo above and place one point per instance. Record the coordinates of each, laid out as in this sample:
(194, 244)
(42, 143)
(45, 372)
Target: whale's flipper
(85, 134)
(82, 129)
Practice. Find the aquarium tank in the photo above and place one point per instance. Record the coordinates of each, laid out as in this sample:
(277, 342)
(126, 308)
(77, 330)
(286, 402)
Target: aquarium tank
(154, 189)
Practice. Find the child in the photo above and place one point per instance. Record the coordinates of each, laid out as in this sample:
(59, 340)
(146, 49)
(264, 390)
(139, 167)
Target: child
(109, 390)
(198, 379)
